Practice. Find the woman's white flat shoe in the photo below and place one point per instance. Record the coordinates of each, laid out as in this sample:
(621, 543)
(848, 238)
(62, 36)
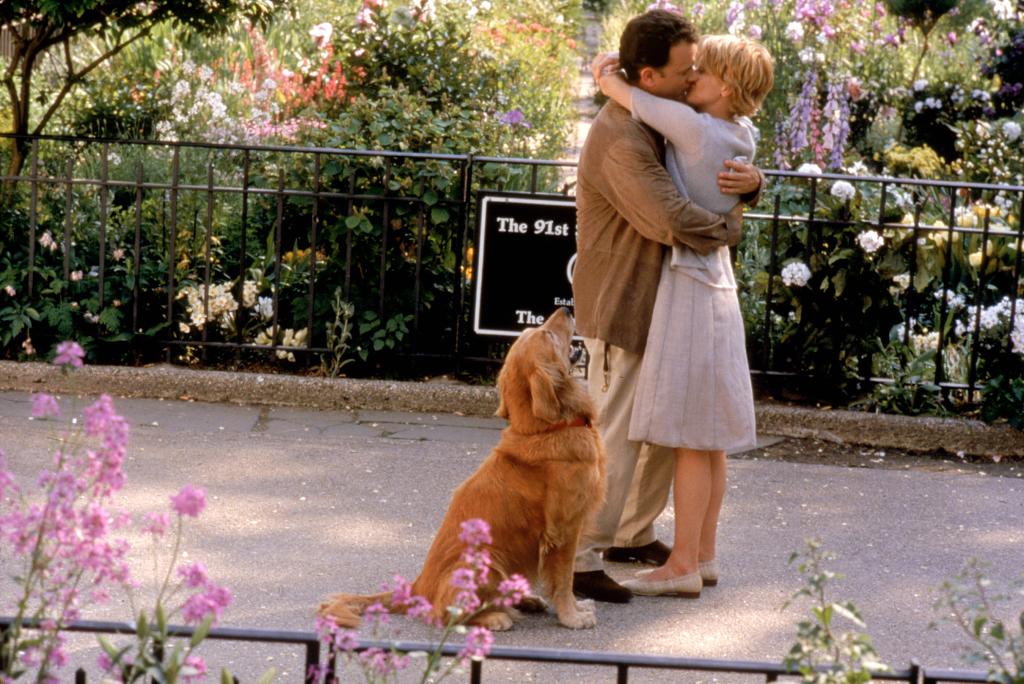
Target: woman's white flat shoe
(709, 572)
(687, 586)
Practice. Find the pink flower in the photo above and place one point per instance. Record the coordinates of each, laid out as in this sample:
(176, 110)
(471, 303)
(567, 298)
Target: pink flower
(419, 608)
(377, 615)
(44, 405)
(69, 354)
(475, 532)
(189, 501)
(478, 643)
(195, 668)
(513, 590)
(464, 578)
(10, 290)
(401, 591)
(211, 602)
(194, 575)
(156, 524)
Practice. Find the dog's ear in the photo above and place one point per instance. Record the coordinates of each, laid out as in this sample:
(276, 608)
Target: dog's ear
(543, 394)
(502, 411)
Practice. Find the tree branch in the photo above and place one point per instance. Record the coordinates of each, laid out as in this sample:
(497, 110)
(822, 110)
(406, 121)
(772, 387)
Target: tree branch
(73, 78)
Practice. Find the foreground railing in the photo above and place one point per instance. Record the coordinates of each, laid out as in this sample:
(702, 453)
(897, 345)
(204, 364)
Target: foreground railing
(148, 245)
(319, 662)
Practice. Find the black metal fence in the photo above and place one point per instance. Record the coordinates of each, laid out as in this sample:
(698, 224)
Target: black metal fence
(112, 236)
(321, 664)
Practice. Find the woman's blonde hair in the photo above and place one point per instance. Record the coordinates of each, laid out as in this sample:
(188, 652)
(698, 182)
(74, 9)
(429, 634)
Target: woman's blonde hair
(743, 64)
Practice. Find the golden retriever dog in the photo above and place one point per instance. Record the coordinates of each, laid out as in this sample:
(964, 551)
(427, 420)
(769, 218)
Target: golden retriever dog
(536, 490)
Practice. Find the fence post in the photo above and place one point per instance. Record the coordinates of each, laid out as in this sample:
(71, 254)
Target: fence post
(33, 212)
(172, 249)
(312, 661)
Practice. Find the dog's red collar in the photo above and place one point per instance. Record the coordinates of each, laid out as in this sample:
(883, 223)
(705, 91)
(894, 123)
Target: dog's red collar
(579, 422)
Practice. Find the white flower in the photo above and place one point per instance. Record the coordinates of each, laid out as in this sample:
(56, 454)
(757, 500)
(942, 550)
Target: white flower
(843, 190)
(1011, 130)
(249, 292)
(91, 317)
(870, 241)
(918, 106)
(809, 168)
(795, 31)
(902, 281)
(76, 276)
(205, 73)
(265, 307)
(321, 34)
(796, 274)
(181, 90)
(920, 85)
(118, 254)
(183, 327)
(809, 55)
(858, 168)
(1003, 9)
(10, 290)
(269, 84)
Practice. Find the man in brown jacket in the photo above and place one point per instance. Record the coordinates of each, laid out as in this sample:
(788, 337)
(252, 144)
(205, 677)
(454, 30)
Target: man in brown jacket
(628, 213)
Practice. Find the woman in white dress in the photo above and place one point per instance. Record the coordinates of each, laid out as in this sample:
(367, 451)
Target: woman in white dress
(694, 391)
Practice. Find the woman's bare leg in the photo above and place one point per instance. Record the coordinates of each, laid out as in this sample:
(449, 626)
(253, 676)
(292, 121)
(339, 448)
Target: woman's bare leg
(692, 495)
(709, 528)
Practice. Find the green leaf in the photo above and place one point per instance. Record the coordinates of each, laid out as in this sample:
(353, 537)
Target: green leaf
(352, 221)
(225, 677)
(142, 626)
(201, 631)
(267, 676)
(849, 613)
(438, 215)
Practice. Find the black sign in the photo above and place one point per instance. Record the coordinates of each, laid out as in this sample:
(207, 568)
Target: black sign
(527, 250)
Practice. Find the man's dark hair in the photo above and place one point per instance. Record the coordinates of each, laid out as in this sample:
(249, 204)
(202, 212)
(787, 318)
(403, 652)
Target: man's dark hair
(648, 38)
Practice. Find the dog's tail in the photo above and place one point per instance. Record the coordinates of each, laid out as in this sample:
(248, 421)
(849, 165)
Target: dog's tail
(345, 609)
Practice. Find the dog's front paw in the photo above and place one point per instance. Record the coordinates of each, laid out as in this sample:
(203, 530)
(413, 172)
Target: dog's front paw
(578, 620)
(586, 606)
(496, 621)
(532, 604)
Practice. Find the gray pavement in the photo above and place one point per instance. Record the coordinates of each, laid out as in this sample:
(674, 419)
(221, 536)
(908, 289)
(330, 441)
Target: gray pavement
(305, 502)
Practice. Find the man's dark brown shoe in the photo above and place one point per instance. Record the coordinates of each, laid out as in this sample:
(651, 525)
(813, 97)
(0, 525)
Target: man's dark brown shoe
(654, 553)
(600, 587)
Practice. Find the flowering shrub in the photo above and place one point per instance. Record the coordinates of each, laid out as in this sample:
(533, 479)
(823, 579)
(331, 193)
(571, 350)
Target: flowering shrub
(854, 78)
(378, 665)
(66, 556)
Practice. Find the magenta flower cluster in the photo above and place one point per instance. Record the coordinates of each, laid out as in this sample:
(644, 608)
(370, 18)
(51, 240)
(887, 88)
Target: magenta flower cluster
(469, 579)
(64, 539)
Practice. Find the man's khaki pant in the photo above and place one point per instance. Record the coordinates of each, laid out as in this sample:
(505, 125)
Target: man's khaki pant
(639, 476)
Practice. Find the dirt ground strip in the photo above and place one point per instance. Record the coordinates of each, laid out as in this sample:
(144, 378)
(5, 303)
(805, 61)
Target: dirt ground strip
(828, 452)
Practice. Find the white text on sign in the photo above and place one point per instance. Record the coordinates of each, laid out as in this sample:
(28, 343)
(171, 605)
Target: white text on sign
(528, 317)
(540, 227)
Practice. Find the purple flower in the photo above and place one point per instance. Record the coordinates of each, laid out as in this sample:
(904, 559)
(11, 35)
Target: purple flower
(836, 130)
(475, 532)
(515, 117)
(478, 643)
(401, 591)
(194, 575)
(189, 501)
(419, 608)
(44, 405)
(376, 614)
(195, 668)
(212, 601)
(464, 578)
(513, 590)
(69, 354)
(156, 524)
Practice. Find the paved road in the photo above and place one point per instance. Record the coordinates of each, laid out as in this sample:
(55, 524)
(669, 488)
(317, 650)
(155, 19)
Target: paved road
(304, 503)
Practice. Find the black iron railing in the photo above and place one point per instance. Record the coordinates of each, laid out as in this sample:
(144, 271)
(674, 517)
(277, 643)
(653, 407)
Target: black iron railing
(395, 231)
(319, 661)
